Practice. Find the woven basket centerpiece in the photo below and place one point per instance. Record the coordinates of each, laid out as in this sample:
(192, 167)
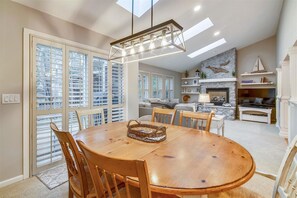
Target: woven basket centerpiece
(146, 132)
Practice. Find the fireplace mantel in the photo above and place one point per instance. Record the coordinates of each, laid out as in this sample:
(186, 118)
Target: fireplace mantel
(218, 80)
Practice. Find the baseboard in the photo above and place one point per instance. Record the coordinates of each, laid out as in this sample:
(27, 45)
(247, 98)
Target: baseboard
(11, 181)
(283, 133)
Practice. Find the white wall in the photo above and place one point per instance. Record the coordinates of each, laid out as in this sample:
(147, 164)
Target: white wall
(132, 99)
(287, 29)
(246, 58)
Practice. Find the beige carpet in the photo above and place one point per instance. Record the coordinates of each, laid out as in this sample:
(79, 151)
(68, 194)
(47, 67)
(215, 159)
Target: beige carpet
(261, 140)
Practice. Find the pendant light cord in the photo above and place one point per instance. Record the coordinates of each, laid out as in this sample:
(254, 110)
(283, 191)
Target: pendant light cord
(132, 16)
(152, 13)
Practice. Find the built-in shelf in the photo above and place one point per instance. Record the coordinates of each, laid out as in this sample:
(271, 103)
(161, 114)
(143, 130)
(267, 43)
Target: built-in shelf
(191, 78)
(265, 83)
(257, 74)
(190, 93)
(257, 87)
(218, 80)
(190, 85)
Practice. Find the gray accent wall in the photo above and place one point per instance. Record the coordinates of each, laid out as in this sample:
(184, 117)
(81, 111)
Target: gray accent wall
(158, 70)
(13, 18)
(220, 66)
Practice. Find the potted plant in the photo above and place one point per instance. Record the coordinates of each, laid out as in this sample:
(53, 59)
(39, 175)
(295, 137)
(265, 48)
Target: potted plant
(203, 75)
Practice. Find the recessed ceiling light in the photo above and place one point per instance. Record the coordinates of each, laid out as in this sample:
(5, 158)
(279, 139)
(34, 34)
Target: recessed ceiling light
(140, 6)
(197, 8)
(207, 48)
(197, 29)
(217, 33)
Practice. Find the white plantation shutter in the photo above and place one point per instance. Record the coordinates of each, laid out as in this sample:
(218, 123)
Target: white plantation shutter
(143, 86)
(48, 103)
(48, 146)
(73, 126)
(49, 89)
(117, 114)
(100, 82)
(65, 79)
(117, 92)
(157, 86)
(117, 84)
(78, 79)
(169, 91)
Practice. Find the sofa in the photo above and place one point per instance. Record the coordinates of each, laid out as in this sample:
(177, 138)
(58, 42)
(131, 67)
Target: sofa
(147, 109)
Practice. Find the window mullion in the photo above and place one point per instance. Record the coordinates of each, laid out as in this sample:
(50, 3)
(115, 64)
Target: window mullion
(90, 63)
(109, 79)
(67, 108)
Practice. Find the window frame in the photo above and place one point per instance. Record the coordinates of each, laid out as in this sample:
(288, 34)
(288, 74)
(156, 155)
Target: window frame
(143, 90)
(163, 77)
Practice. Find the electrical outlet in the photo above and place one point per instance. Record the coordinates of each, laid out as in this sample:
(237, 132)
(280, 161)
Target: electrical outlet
(11, 98)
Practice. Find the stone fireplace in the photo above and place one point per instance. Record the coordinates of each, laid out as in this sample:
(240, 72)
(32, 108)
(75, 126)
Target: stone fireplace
(218, 96)
(220, 83)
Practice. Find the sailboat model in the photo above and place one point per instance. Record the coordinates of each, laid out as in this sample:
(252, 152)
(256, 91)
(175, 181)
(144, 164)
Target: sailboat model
(258, 67)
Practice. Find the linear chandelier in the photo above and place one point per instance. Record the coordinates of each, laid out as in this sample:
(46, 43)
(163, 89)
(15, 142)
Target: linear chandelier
(159, 40)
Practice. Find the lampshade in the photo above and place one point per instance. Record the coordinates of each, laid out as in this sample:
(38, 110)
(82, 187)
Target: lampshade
(160, 40)
(203, 98)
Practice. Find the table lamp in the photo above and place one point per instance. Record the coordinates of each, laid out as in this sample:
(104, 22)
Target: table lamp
(204, 98)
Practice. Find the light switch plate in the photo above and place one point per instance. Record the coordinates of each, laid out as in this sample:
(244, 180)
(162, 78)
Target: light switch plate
(11, 98)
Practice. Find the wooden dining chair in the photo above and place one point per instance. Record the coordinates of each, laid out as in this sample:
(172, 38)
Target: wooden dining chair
(163, 115)
(117, 168)
(90, 117)
(80, 182)
(198, 120)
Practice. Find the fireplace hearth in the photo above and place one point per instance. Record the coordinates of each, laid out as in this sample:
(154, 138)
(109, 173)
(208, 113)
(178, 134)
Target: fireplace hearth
(218, 96)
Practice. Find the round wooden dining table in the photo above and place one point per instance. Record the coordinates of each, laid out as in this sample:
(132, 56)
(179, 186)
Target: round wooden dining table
(188, 162)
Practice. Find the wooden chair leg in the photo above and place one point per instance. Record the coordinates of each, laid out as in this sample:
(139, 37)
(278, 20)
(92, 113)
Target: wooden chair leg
(70, 193)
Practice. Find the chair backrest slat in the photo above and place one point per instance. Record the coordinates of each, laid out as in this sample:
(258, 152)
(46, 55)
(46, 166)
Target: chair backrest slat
(201, 121)
(286, 181)
(74, 159)
(163, 115)
(82, 114)
(122, 168)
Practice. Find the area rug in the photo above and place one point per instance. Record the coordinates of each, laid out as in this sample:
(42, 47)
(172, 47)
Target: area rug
(54, 177)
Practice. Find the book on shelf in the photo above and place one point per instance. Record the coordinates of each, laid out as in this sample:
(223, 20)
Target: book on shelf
(247, 81)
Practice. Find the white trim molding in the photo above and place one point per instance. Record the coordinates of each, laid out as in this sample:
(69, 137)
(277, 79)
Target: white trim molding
(218, 80)
(11, 181)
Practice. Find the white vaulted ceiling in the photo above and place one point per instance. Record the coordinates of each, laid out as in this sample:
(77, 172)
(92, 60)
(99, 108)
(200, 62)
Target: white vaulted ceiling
(240, 22)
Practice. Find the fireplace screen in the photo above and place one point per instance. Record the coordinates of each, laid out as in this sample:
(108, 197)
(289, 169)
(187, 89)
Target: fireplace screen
(218, 96)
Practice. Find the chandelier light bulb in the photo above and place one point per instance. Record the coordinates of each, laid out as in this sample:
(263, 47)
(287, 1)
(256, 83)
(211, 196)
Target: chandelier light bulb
(164, 41)
(152, 45)
(141, 48)
(124, 53)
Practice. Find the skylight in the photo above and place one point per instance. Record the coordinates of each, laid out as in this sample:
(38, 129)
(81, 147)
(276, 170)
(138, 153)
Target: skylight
(207, 48)
(140, 6)
(198, 28)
